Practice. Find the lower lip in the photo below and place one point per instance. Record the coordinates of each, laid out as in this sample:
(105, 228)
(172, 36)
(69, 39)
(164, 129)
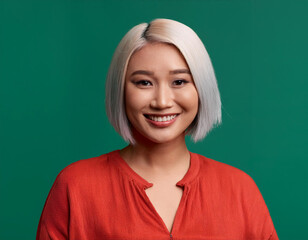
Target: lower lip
(162, 124)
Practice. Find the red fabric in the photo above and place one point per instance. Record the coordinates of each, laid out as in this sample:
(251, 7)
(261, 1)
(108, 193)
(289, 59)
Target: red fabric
(103, 198)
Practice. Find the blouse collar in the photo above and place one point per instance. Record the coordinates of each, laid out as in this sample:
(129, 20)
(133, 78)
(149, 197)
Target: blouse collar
(190, 175)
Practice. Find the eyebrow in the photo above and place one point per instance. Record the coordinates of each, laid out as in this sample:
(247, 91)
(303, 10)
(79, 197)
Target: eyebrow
(149, 73)
(142, 72)
(177, 71)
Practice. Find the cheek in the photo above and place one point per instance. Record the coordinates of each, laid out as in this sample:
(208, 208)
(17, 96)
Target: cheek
(190, 99)
(135, 100)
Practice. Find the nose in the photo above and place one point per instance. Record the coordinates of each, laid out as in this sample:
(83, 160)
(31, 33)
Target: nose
(163, 98)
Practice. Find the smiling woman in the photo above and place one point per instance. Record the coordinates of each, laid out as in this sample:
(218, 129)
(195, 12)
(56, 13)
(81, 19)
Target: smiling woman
(160, 87)
(160, 94)
(198, 62)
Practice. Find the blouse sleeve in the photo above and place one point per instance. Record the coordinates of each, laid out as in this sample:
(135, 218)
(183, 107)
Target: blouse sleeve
(259, 221)
(54, 221)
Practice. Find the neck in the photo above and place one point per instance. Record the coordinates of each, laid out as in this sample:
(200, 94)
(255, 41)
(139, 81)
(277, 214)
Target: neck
(160, 156)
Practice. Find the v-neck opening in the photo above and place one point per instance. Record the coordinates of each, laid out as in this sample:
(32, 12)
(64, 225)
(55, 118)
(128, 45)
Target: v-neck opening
(179, 208)
(184, 183)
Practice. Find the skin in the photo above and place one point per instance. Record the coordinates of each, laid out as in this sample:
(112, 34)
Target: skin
(158, 83)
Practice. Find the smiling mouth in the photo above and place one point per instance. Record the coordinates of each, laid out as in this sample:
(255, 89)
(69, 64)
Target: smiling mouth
(164, 118)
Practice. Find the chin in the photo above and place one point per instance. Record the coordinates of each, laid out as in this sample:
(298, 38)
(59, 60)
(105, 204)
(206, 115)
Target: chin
(146, 136)
(159, 139)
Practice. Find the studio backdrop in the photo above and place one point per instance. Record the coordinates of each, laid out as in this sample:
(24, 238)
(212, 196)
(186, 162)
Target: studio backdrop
(54, 57)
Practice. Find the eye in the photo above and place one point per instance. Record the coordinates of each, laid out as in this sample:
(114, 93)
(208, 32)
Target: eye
(143, 83)
(179, 82)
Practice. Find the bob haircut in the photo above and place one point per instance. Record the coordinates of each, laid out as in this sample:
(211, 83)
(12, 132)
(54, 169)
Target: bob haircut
(188, 43)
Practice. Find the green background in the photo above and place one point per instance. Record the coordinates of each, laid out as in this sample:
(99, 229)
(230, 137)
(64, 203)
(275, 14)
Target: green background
(54, 57)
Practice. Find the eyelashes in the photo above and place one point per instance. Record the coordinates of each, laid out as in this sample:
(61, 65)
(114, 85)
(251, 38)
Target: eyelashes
(147, 83)
(143, 83)
(180, 82)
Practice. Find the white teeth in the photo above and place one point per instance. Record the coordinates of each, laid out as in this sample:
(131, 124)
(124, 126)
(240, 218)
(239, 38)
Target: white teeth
(162, 119)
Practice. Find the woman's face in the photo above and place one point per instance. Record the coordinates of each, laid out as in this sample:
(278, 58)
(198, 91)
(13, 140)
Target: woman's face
(161, 99)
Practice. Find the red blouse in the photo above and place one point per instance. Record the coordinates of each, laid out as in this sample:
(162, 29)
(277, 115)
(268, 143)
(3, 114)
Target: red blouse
(103, 198)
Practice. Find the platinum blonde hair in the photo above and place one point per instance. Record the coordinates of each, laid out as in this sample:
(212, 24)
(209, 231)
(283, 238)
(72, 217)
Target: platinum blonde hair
(188, 43)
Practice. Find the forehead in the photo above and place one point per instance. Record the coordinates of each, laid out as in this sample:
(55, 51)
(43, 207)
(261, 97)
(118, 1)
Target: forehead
(157, 56)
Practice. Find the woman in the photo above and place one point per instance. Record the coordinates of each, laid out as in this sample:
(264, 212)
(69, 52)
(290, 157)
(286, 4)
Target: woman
(160, 87)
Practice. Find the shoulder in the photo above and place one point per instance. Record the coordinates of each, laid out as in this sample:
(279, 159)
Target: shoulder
(219, 168)
(232, 192)
(224, 175)
(84, 165)
(85, 171)
(236, 186)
